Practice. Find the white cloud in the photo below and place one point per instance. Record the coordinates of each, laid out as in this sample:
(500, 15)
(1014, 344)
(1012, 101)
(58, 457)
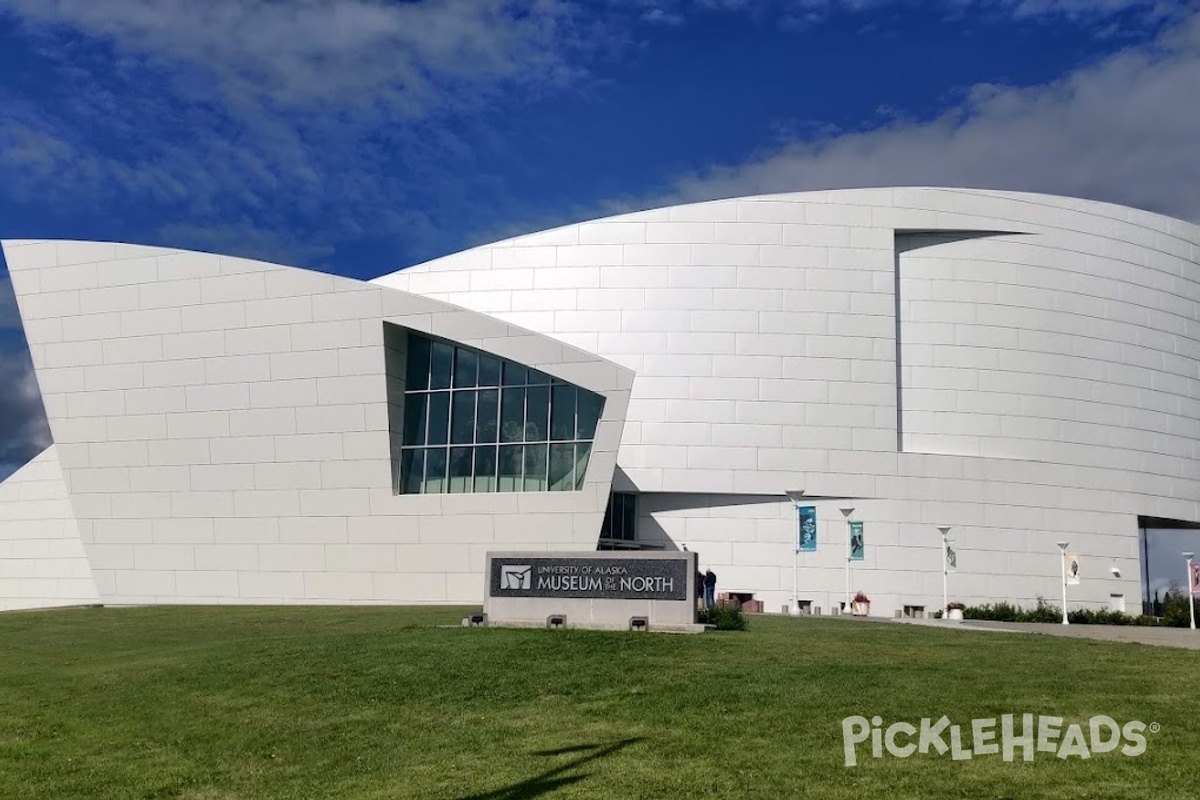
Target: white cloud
(803, 14)
(1123, 130)
(661, 16)
(274, 129)
(314, 54)
(279, 129)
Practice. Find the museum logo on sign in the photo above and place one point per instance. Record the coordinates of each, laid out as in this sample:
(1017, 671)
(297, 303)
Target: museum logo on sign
(516, 577)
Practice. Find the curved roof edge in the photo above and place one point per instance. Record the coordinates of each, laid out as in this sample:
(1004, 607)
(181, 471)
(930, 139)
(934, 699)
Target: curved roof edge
(880, 197)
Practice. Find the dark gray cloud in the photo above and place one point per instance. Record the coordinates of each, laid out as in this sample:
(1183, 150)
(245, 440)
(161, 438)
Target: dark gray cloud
(10, 319)
(23, 429)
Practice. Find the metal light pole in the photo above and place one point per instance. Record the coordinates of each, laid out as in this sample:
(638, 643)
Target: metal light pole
(1062, 562)
(796, 568)
(795, 496)
(1188, 586)
(945, 529)
(846, 512)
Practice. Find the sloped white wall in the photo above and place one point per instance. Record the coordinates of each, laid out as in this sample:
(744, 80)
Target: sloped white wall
(223, 430)
(42, 561)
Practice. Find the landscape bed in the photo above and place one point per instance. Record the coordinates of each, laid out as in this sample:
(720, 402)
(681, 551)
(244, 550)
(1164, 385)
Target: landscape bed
(333, 702)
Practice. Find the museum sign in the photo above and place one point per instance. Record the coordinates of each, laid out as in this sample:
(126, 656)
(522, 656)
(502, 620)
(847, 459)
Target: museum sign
(590, 577)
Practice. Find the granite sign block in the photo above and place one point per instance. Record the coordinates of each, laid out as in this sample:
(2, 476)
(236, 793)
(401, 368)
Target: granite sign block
(590, 577)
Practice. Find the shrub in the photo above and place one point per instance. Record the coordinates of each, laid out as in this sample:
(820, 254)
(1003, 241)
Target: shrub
(998, 612)
(724, 617)
(861, 597)
(1175, 608)
(1045, 612)
(954, 605)
(1007, 612)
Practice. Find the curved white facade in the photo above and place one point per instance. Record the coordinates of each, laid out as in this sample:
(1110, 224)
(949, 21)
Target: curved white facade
(1023, 368)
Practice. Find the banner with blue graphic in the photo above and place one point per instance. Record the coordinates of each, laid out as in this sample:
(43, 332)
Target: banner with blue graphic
(806, 541)
(858, 547)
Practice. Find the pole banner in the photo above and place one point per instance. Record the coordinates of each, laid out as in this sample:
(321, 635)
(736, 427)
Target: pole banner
(1194, 577)
(807, 533)
(858, 550)
(1071, 565)
(951, 558)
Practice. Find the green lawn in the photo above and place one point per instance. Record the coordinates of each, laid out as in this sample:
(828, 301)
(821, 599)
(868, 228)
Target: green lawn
(223, 703)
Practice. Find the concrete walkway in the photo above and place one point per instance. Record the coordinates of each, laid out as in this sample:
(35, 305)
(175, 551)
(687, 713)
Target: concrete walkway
(1160, 637)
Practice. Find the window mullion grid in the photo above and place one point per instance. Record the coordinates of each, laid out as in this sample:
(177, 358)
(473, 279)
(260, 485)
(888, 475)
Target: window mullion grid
(545, 438)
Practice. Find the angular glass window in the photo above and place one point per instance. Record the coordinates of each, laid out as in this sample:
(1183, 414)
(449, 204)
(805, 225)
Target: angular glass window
(489, 370)
(418, 364)
(535, 467)
(435, 470)
(412, 471)
(466, 365)
(486, 421)
(414, 418)
(485, 469)
(514, 374)
(512, 415)
(590, 408)
(562, 412)
(583, 454)
(510, 468)
(460, 403)
(562, 467)
(439, 418)
(441, 365)
(462, 418)
(537, 414)
(461, 463)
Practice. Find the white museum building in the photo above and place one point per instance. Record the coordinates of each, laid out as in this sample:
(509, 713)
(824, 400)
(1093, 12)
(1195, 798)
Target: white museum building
(1024, 369)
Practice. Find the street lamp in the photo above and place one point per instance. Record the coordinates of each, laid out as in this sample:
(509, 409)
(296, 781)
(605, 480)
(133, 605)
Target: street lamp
(796, 495)
(945, 529)
(1062, 562)
(1188, 587)
(846, 512)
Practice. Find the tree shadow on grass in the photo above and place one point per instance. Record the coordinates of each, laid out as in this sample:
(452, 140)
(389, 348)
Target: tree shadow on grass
(554, 779)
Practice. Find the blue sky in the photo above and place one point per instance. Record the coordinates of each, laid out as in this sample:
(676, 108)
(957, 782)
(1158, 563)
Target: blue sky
(359, 136)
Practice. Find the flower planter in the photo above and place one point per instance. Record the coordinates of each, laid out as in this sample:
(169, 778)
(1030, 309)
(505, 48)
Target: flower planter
(956, 615)
(860, 609)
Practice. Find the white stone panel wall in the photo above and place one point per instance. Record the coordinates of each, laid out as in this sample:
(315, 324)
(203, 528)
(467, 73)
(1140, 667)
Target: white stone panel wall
(1046, 373)
(1005, 551)
(745, 321)
(42, 559)
(223, 429)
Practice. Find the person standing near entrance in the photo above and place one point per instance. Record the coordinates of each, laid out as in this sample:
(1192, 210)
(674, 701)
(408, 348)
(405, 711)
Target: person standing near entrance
(710, 589)
(699, 590)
